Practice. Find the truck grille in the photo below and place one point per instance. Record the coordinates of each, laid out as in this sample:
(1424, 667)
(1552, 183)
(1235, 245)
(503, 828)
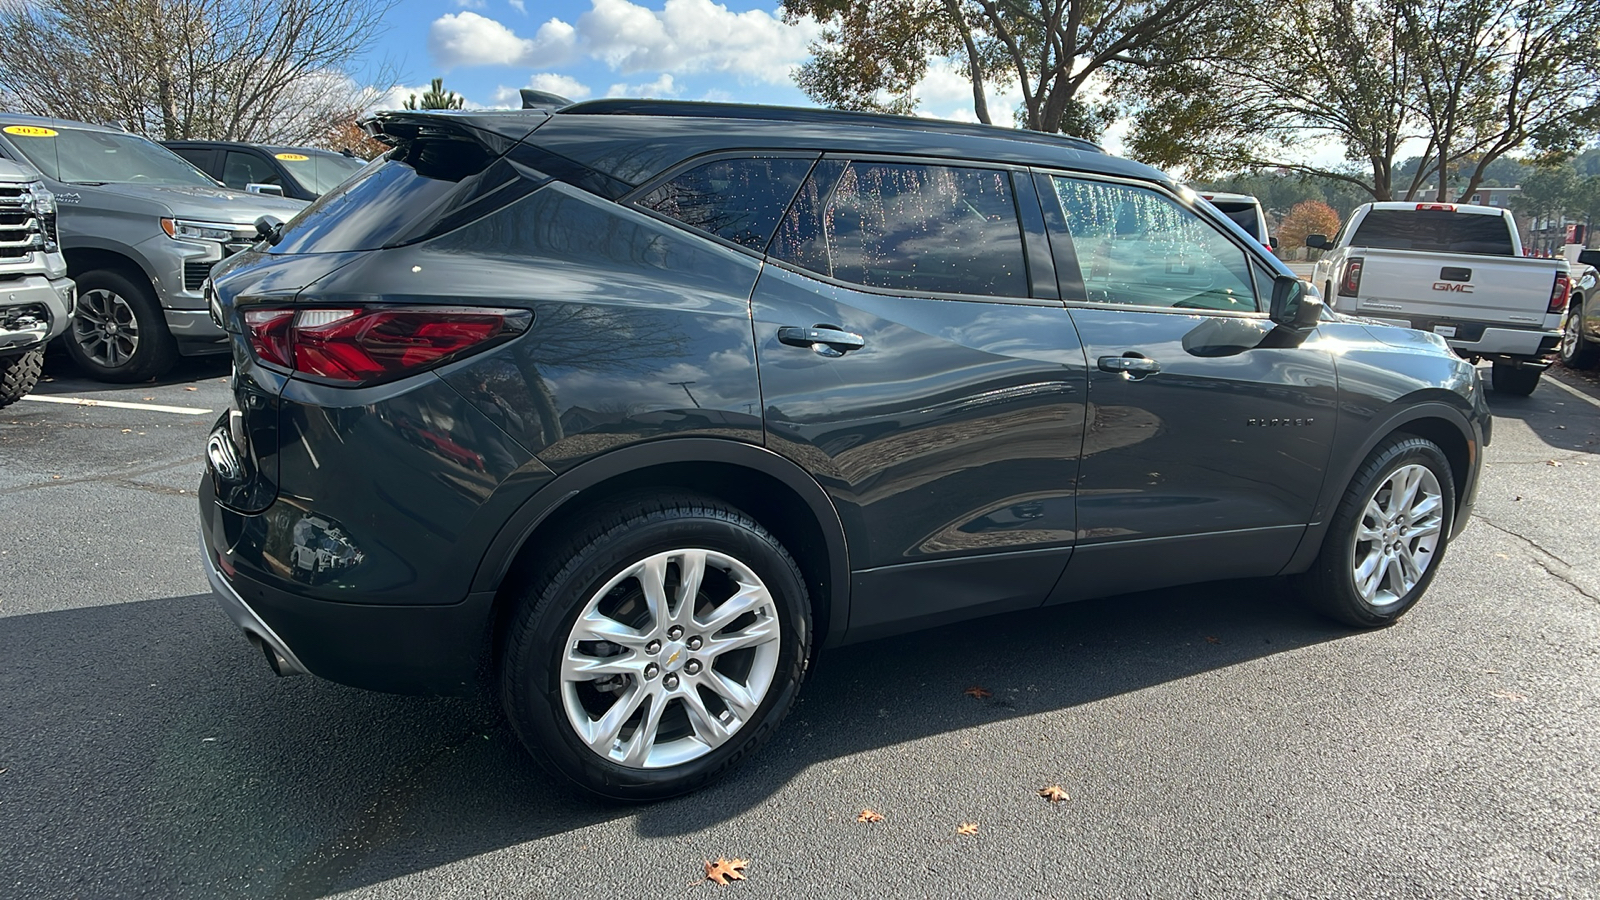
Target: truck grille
(21, 232)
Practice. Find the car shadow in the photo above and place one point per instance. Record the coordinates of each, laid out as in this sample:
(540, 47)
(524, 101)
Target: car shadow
(62, 376)
(1557, 418)
(147, 744)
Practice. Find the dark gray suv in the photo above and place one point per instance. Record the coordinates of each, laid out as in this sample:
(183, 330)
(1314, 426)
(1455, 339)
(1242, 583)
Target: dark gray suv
(623, 411)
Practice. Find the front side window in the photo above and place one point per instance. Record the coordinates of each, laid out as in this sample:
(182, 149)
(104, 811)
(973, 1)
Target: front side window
(1139, 247)
(243, 169)
(318, 171)
(910, 227)
(738, 200)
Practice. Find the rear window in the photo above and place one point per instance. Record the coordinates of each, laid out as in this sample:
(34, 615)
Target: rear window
(1247, 215)
(1434, 230)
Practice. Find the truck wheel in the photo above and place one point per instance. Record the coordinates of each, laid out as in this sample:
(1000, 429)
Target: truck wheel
(118, 333)
(1518, 381)
(1576, 350)
(664, 641)
(18, 374)
(1387, 536)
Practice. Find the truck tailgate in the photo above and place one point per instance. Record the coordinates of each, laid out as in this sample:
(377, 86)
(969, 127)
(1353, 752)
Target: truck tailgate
(1503, 290)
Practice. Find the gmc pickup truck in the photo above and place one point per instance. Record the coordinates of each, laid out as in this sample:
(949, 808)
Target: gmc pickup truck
(1453, 270)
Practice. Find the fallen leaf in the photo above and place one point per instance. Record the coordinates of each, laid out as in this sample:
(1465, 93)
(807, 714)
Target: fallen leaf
(724, 870)
(127, 431)
(149, 398)
(1055, 793)
(191, 388)
(868, 815)
(1213, 640)
(967, 828)
(1514, 499)
(56, 477)
(973, 691)
(1551, 462)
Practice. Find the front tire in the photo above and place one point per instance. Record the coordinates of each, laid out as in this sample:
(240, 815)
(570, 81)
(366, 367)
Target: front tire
(118, 333)
(18, 374)
(1518, 381)
(1387, 536)
(1577, 352)
(664, 642)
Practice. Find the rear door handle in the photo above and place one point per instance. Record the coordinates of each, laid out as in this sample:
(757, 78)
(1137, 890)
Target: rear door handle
(1130, 364)
(824, 339)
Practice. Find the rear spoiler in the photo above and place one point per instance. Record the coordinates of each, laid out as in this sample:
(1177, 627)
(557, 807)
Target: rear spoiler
(496, 132)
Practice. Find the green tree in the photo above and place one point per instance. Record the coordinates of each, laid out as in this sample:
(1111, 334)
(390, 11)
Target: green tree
(872, 53)
(436, 97)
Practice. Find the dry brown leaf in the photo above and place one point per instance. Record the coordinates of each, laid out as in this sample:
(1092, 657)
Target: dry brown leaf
(978, 692)
(967, 828)
(868, 815)
(724, 870)
(1213, 640)
(1055, 793)
(191, 388)
(1551, 462)
(149, 398)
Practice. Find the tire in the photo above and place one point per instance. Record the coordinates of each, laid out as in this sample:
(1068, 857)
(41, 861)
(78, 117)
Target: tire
(563, 712)
(118, 333)
(1517, 381)
(18, 374)
(1577, 352)
(1365, 521)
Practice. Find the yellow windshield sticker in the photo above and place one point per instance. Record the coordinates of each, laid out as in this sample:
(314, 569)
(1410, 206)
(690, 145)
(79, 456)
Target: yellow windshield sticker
(293, 157)
(31, 131)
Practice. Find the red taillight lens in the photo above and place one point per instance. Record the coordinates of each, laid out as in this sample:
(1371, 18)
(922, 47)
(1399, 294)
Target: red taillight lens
(1559, 294)
(363, 345)
(1350, 283)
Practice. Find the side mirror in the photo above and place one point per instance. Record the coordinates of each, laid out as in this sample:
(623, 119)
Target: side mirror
(275, 190)
(1318, 242)
(1295, 303)
(1272, 242)
(1589, 258)
(269, 229)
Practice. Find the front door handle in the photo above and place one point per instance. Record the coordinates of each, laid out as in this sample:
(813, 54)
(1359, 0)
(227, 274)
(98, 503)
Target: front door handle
(826, 340)
(1130, 365)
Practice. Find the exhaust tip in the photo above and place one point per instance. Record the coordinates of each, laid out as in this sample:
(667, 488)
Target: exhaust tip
(280, 665)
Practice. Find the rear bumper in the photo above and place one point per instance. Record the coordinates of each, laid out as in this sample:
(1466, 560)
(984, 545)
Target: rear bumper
(1521, 343)
(413, 649)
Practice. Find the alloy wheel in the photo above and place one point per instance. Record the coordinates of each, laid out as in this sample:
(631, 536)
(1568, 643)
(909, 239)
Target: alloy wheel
(105, 328)
(1398, 535)
(669, 658)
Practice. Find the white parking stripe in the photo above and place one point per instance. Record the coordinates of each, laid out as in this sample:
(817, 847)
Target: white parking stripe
(1572, 390)
(118, 404)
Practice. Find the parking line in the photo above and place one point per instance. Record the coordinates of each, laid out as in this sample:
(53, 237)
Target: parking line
(1573, 391)
(118, 404)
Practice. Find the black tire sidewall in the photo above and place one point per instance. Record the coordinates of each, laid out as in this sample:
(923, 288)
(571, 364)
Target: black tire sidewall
(156, 351)
(530, 677)
(1345, 600)
(19, 372)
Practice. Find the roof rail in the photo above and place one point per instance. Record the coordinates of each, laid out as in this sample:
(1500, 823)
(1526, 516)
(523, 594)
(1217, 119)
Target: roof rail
(622, 106)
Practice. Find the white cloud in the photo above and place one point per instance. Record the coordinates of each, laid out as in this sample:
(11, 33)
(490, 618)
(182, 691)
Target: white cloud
(662, 88)
(468, 39)
(520, 6)
(684, 36)
(472, 4)
(555, 83)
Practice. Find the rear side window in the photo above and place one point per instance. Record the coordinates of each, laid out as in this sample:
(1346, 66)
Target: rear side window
(739, 200)
(1434, 230)
(907, 227)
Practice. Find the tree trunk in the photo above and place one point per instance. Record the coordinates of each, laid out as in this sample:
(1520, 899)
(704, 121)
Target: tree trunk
(980, 103)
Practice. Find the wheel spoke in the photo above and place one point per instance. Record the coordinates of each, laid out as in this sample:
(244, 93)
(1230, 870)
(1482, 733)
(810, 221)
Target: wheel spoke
(749, 597)
(1411, 572)
(603, 733)
(581, 666)
(691, 571)
(1422, 529)
(594, 626)
(1368, 574)
(1365, 532)
(1375, 514)
(733, 693)
(707, 727)
(652, 575)
(644, 737)
(761, 631)
(1429, 505)
(1395, 576)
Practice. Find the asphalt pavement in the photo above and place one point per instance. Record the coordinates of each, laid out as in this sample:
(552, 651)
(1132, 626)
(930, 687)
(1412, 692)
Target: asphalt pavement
(1215, 741)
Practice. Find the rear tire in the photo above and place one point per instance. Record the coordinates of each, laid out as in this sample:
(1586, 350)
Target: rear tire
(1517, 381)
(616, 682)
(1577, 351)
(118, 332)
(18, 374)
(1387, 536)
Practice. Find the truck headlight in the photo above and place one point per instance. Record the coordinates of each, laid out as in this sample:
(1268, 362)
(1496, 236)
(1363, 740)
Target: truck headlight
(39, 201)
(190, 230)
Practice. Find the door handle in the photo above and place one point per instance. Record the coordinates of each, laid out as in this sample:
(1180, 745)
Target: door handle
(826, 340)
(1131, 365)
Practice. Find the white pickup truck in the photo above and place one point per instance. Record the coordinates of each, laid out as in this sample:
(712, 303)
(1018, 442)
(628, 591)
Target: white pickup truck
(1454, 270)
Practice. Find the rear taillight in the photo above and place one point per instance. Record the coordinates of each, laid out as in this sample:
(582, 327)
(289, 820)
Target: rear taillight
(363, 345)
(1350, 281)
(1559, 293)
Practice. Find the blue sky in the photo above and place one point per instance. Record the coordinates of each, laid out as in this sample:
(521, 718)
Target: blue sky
(686, 49)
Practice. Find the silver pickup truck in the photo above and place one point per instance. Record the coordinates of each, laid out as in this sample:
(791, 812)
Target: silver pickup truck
(140, 229)
(36, 296)
(1454, 270)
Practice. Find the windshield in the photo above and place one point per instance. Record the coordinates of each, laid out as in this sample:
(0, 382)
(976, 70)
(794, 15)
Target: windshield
(318, 171)
(103, 157)
(1434, 230)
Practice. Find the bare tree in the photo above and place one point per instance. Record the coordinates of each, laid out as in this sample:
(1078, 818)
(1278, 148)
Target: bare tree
(272, 71)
